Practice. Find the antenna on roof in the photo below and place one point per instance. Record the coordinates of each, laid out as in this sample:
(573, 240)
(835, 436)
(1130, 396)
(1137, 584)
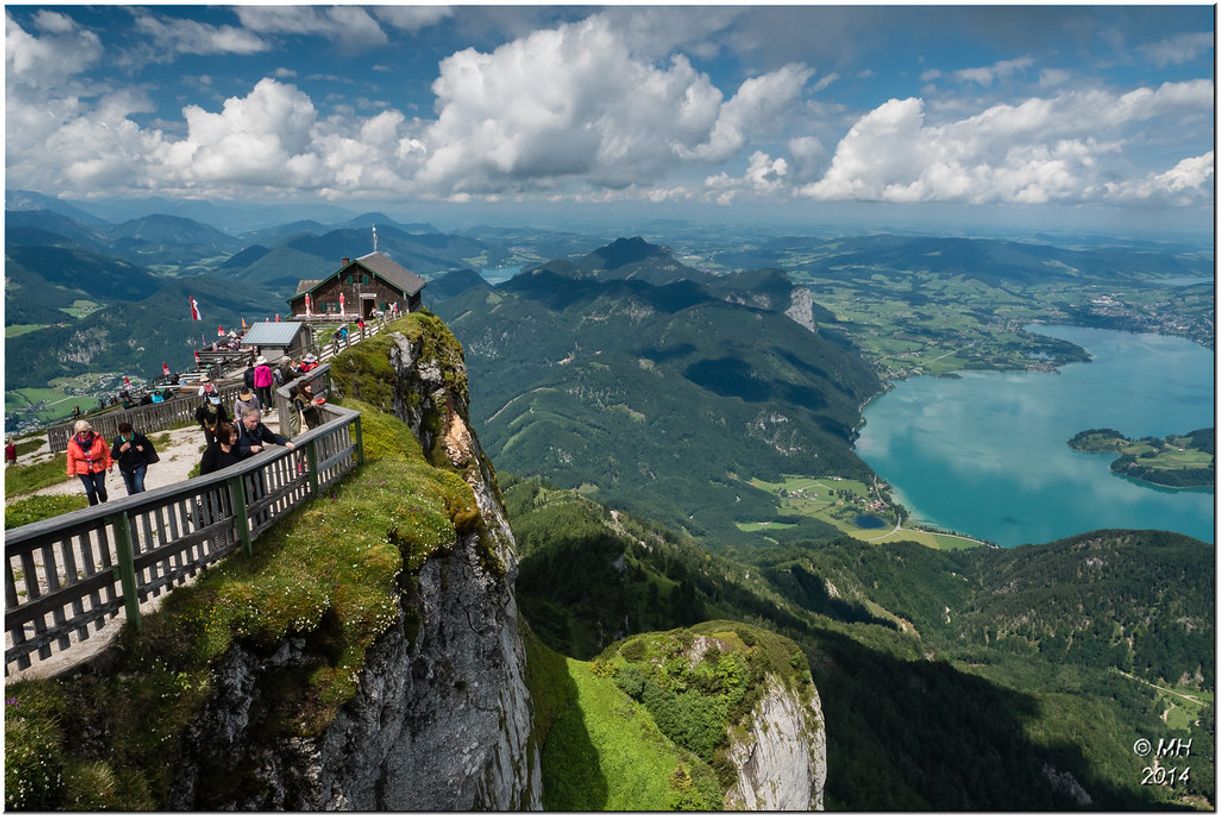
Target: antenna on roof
(374, 237)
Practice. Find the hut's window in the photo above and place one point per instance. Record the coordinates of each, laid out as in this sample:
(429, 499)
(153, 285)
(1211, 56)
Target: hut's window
(349, 280)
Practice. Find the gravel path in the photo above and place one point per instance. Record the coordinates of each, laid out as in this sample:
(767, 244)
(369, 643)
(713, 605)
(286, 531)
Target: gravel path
(178, 458)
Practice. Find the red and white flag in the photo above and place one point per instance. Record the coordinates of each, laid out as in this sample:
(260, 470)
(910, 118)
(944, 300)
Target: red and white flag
(220, 331)
(194, 309)
(196, 358)
(126, 381)
(276, 316)
(165, 368)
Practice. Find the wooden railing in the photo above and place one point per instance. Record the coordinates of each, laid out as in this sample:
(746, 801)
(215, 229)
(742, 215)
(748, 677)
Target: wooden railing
(74, 573)
(145, 418)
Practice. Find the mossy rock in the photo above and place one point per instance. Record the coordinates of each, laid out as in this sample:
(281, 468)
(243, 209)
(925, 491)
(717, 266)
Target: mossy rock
(331, 573)
(701, 683)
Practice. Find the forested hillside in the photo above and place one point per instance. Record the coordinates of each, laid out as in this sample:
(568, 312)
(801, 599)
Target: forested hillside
(922, 710)
(618, 384)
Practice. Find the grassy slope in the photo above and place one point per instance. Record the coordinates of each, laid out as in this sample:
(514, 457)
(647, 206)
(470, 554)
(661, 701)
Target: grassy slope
(603, 751)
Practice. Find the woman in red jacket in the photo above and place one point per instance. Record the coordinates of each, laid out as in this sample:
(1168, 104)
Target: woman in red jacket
(89, 459)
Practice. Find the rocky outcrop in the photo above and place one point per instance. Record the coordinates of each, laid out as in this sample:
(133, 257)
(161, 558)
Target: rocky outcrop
(442, 718)
(800, 309)
(780, 759)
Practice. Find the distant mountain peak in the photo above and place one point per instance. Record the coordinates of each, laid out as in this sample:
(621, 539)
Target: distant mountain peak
(624, 251)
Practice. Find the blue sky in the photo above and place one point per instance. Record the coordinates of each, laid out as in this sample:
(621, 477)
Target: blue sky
(1016, 110)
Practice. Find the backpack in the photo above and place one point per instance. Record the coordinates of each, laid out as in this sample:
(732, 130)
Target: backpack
(249, 377)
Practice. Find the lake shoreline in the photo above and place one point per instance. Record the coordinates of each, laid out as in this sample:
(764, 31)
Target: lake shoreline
(985, 453)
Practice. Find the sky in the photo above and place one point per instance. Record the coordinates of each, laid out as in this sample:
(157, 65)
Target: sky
(985, 112)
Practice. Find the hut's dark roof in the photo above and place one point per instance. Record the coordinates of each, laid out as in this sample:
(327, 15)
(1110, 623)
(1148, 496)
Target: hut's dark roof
(409, 282)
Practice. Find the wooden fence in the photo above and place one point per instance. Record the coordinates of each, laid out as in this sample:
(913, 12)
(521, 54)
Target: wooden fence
(74, 573)
(146, 419)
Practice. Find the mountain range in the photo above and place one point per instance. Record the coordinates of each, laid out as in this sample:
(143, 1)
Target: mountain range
(625, 369)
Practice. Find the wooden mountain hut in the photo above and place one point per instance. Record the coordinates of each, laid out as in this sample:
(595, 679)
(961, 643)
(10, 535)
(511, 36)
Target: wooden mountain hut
(367, 284)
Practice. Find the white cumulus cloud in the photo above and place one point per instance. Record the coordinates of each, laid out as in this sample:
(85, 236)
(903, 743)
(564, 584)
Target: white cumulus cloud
(1178, 49)
(173, 36)
(574, 103)
(412, 18)
(351, 27)
(63, 50)
(986, 75)
(1040, 150)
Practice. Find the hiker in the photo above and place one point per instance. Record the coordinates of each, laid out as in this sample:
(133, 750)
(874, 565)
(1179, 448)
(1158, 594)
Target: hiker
(254, 435)
(210, 414)
(133, 452)
(286, 371)
(308, 406)
(224, 453)
(205, 385)
(248, 376)
(75, 412)
(263, 379)
(88, 459)
(10, 451)
(308, 363)
(245, 401)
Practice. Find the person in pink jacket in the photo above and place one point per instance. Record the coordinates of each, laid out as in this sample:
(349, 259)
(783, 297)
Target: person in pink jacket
(264, 378)
(88, 459)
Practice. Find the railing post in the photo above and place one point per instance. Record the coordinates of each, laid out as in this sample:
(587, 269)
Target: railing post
(126, 568)
(359, 440)
(241, 515)
(314, 476)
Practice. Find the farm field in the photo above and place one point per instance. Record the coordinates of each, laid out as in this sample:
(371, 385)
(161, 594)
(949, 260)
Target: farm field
(81, 308)
(840, 501)
(11, 331)
(55, 402)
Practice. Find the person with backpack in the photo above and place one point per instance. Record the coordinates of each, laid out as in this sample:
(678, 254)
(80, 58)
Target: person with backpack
(88, 459)
(133, 452)
(210, 414)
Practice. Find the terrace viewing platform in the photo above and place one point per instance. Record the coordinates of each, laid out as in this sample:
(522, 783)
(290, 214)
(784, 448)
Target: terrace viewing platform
(72, 580)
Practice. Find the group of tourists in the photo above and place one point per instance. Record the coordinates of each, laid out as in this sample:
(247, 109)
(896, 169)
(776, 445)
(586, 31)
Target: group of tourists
(232, 434)
(89, 458)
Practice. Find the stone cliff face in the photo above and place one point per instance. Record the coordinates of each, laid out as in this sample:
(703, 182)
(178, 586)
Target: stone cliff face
(780, 760)
(800, 309)
(442, 718)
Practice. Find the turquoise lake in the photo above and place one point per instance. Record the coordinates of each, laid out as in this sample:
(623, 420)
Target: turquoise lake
(986, 454)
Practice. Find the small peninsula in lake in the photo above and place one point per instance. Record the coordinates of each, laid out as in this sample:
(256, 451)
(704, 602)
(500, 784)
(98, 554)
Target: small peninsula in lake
(1177, 461)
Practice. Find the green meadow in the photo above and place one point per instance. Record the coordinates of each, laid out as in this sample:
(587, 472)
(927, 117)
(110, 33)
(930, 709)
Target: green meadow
(838, 501)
